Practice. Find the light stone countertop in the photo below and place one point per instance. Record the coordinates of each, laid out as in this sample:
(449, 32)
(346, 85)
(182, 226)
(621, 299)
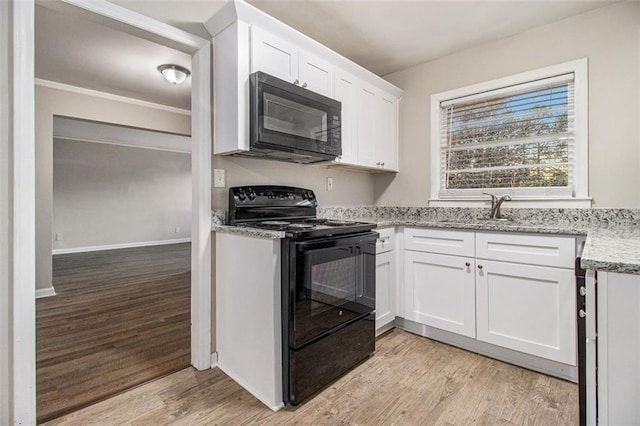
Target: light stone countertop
(612, 243)
(613, 250)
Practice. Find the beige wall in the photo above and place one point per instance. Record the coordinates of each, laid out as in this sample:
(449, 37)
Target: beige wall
(109, 194)
(609, 37)
(50, 102)
(349, 188)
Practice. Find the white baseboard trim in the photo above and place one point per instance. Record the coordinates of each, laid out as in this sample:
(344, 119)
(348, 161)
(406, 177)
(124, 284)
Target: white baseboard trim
(119, 246)
(45, 292)
(214, 359)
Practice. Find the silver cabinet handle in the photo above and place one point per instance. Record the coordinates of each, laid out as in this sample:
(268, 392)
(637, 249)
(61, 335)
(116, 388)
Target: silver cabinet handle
(304, 85)
(582, 313)
(296, 82)
(479, 266)
(467, 264)
(384, 239)
(583, 291)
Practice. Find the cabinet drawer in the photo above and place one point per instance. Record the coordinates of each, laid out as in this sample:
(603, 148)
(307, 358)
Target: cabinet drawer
(457, 243)
(386, 240)
(544, 250)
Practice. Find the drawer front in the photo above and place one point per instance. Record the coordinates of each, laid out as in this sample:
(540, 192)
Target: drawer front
(541, 250)
(386, 240)
(457, 243)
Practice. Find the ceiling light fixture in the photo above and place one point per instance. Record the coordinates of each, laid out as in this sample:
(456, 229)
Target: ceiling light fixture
(174, 74)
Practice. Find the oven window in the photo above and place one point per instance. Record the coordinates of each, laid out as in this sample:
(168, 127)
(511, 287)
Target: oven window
(290, 117)
(334, 282)
(330, 291)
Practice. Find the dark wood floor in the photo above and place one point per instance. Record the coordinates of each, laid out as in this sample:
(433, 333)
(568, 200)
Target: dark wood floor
(409, 381)
(120, 318)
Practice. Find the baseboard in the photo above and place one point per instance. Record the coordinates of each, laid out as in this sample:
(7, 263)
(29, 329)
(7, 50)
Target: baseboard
(214, 359)
(45, 292)
(119, 246)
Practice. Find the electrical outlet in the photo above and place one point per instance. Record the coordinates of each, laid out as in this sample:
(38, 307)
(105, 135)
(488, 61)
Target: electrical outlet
(219, 178)
(59, 236)
(177, 230)
(329, 184)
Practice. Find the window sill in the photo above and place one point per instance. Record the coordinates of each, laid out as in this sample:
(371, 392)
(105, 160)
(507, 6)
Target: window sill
(577, 203)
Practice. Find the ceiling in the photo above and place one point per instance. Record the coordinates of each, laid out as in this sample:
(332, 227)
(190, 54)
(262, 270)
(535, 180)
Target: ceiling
(381, 35)
(86, 54)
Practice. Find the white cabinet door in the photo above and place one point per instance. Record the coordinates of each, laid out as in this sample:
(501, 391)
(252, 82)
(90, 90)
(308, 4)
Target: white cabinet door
(387, 142)
(316, 74)
(273, 55)
(527, 308)
(385, 290)
(346, 91)
(367, 125)
(440, 291)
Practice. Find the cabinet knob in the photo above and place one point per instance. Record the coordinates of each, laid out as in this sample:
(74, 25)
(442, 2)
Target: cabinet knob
(467, 264)
(296, 82)
(582, 313)
(479, 266)
(304, 85)
(382, 164)
(583, 291)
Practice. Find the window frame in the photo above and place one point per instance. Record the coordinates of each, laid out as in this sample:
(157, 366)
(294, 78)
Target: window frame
(526, 197)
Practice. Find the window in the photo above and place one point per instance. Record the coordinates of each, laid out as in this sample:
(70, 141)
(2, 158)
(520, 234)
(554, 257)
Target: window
(524, 135)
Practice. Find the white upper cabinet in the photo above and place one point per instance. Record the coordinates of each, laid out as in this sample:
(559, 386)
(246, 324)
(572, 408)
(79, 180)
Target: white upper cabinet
(273, 55)
(369, 124)
(316, 74)
(346, 92)
(366, 119)
(283, 59)
(386, 147)
(247, 40)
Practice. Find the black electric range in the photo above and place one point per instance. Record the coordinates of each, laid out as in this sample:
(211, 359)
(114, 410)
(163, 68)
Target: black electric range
(328, 285)
(288, 209)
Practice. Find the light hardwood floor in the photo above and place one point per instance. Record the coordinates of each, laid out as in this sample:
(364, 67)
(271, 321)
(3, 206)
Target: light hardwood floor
(120, 318)
(409, 381)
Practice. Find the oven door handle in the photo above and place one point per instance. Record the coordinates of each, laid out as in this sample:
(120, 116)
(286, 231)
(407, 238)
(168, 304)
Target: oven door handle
(339, 241)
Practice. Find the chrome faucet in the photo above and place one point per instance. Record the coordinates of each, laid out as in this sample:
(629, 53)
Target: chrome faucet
(496, 202)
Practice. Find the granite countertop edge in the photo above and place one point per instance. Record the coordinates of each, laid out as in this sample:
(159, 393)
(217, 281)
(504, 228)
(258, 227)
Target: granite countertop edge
(611, 248)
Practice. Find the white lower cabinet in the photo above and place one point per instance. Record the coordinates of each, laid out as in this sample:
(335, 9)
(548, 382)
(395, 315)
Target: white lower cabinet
(385, 290)
(527, 308)
(514, 291)
(440, 291)
(385, 278)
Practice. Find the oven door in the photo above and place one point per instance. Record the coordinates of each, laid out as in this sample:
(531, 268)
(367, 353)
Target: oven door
(286, 117)
(331, 283)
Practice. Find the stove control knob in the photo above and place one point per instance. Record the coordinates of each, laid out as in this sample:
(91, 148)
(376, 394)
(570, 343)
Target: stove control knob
(291, 196)
(304, 195)
(242, 196)
(310, 196)
(252, 195)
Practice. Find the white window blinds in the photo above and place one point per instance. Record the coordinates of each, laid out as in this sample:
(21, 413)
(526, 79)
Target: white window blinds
(520, 137)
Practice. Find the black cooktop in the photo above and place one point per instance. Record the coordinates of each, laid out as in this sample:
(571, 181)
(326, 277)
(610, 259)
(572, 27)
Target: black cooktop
(288, 209)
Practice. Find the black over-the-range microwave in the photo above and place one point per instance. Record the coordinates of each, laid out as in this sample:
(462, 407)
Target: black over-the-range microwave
(291, 123)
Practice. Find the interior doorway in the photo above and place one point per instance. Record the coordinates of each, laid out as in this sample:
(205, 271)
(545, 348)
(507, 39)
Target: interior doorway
(117, 308)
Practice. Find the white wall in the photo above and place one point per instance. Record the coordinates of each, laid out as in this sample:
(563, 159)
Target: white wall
(109, 195)
(609, 37)
(50, 102)
(349, 188)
